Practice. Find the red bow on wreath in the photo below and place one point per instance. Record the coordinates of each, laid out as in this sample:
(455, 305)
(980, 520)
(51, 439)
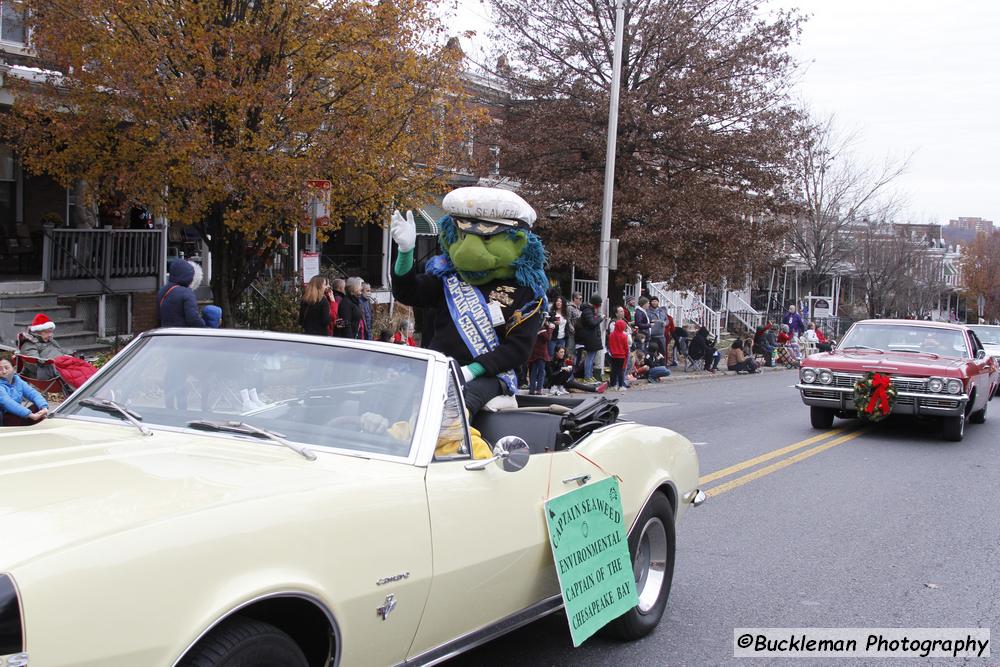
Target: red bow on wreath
(879, 396)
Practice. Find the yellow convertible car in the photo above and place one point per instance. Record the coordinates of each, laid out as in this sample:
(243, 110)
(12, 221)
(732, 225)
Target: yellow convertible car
(216, 498)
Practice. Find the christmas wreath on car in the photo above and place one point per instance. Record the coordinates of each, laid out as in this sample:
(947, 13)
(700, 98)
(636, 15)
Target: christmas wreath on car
(874, 396)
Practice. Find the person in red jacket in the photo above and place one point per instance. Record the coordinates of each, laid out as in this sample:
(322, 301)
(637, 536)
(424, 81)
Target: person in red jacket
(538, 359)
(618, 348)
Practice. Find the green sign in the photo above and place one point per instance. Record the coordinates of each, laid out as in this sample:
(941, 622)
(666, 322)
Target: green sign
(590, 548)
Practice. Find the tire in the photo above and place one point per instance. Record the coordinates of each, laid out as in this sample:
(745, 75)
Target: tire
(239, 642)
(821, 418)
(953, 428)
(653, 540)
(979, 416)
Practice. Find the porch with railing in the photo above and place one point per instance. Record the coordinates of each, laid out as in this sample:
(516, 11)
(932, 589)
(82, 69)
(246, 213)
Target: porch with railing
(102, 261)
(737, 308)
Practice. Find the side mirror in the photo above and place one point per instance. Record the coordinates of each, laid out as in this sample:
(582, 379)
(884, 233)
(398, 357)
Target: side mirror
(511, 453)
(980, 355)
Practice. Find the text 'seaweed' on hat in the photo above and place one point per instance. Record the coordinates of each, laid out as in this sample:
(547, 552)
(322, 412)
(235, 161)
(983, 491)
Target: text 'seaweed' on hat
(487, 211)
(41, 322)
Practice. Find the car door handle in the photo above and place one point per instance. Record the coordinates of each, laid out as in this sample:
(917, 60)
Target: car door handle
(579, 479)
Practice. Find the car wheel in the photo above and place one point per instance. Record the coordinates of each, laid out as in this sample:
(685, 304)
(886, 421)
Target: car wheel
(652, 545)
(821, 417)
(979, 416)
(239, 642)
(953, 428)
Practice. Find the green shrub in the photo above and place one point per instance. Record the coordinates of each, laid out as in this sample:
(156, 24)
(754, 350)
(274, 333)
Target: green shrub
(270, 305)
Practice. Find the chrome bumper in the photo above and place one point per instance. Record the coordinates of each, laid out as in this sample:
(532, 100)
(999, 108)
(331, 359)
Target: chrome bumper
(906, 403)
(696, 497)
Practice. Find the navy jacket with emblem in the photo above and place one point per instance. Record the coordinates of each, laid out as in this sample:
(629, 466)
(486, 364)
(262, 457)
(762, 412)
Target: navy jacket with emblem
(517, 334)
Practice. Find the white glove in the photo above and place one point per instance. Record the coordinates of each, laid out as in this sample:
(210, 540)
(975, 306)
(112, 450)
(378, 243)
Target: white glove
(372, 422)
(404, 231)
(467, 374)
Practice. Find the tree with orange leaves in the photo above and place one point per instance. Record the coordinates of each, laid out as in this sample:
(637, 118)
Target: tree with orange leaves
(216, 112)
(981, 272)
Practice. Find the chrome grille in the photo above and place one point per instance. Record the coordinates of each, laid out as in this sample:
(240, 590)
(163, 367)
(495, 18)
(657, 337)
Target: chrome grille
(910, 384)
(939, 402)
(916, 385)
(845, 380)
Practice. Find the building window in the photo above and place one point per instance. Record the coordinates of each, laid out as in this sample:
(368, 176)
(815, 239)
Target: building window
(494, 160)
(12, 22)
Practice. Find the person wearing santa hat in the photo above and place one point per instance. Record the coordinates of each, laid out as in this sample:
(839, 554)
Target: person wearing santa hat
(38, 342)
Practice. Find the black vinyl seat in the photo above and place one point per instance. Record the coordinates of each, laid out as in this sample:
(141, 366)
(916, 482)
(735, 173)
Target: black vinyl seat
(548, 431)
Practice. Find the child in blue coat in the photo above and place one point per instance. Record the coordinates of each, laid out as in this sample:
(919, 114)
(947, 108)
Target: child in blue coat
(14, 390)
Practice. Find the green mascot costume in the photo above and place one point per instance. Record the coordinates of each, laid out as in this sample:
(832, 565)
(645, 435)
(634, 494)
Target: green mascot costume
(487, 289)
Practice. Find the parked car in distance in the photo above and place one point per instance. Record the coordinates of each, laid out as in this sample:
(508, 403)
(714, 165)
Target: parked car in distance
(989, 336)
(218, 497)
(939, 370)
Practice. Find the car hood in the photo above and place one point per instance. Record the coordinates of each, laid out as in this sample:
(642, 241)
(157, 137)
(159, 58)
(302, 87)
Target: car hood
(65, 481)
(895, 363)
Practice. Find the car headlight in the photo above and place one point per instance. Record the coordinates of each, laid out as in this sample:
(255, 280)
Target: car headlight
(935, 385)
(808, 375)
(825, 377)
(954, 386)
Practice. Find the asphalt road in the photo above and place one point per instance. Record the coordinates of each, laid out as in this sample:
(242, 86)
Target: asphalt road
(883, 525)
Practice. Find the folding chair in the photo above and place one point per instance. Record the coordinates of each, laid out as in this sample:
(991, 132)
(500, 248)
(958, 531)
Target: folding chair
(786, 357)
(54, 385)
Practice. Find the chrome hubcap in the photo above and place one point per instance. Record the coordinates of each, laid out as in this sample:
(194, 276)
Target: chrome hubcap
(650, 564)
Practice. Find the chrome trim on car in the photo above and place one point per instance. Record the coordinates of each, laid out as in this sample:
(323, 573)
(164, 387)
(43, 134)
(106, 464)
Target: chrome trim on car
(487, 633)
(308, 597)
(695, 497)
(907, 402)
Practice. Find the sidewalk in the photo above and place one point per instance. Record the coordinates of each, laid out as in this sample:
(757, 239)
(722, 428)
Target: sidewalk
(677, 375)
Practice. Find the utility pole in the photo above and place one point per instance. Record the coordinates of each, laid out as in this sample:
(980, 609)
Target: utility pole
(604, 259)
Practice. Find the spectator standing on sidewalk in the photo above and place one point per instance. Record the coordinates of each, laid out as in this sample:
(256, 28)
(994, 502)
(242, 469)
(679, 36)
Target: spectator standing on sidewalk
(367, 310)
(314, 309)
(573, 312)
(350, 317)
(618, 347)
(680, 338)
(794, 321)
(559, 317)
(643, 324)
(538, 360)
(588, 333)
(177, 303)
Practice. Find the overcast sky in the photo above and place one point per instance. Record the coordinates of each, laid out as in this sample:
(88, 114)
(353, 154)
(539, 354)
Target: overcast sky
(918, 77)
(915, 77)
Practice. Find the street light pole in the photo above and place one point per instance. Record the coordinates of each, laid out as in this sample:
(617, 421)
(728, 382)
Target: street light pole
(604, 259)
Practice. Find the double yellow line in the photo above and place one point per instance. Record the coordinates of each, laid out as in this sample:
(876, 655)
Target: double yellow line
(778, 465)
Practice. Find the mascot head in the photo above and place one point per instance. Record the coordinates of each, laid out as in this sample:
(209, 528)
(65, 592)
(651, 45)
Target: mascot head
(487, 236)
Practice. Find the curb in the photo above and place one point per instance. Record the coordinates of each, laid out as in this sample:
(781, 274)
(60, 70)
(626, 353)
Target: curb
(681, 376)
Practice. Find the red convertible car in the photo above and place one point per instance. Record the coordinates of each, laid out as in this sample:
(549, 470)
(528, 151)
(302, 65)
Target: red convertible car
(938, 370)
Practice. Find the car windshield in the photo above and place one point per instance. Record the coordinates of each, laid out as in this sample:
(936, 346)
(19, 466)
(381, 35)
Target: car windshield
(364, 400)
(903, 338)
(988, 335)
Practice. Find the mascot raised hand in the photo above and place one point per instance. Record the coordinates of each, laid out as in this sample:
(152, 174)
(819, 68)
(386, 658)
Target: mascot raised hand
(488, 288)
